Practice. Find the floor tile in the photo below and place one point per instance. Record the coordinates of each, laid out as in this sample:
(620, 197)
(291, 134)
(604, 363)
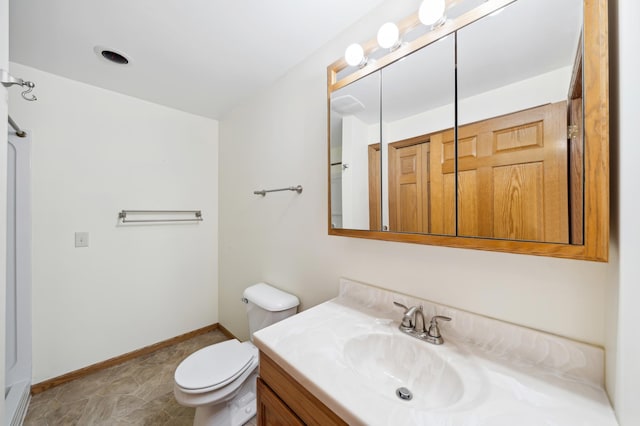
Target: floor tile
(138, 392)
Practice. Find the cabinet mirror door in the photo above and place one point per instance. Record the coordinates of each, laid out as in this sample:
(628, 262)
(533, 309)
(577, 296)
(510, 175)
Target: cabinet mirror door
(418, 110)
(520, 144)
(354, 125)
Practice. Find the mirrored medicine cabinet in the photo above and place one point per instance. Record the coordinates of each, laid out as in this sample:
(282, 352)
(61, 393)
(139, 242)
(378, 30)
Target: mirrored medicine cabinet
(488, 132)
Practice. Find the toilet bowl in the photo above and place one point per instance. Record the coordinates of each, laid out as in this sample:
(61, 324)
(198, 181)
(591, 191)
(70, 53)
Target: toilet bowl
(211, 378)
(220, 380)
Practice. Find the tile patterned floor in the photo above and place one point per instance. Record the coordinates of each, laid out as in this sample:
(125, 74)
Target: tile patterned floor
(138, 392)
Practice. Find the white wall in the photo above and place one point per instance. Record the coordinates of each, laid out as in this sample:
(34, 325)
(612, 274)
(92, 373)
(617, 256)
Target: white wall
(96, 152)
(4, 64)
(355, 179)
(623, 343)
(281, 135)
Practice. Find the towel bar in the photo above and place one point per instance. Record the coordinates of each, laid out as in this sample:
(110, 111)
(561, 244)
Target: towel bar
(263, 192)
(197, 216)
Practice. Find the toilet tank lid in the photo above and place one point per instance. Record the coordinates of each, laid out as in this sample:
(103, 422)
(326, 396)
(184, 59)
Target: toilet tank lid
(270, 298)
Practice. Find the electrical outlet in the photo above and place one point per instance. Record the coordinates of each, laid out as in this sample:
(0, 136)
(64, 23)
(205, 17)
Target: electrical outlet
(82, 239)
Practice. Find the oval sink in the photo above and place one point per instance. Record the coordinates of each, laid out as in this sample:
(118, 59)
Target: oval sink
(387, 362)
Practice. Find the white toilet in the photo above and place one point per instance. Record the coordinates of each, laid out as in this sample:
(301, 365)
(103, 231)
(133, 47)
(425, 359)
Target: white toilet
(220, 380)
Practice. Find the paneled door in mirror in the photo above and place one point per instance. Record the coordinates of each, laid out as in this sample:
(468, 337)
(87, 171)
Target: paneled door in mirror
(520, 162)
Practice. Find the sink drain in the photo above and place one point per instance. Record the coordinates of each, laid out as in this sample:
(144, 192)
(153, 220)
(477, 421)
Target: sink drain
(404, 394)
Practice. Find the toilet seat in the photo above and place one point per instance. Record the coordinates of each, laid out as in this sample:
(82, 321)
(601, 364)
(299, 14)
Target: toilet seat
(214, 367)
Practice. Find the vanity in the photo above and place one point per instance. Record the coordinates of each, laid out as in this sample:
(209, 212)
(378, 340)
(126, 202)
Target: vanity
(344, 361)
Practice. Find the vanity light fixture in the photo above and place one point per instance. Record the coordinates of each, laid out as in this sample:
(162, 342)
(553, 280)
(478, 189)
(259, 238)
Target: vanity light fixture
(354, 55)
(431, 12)
(389, 36)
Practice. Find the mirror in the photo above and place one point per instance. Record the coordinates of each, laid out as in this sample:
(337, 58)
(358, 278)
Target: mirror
(519, 172)
(354, 123)
(488, 132)
(418, 95)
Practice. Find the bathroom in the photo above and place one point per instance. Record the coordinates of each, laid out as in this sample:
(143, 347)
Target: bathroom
(96, 151)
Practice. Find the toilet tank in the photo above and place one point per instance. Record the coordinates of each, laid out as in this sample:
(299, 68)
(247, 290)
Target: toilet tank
(267, 305)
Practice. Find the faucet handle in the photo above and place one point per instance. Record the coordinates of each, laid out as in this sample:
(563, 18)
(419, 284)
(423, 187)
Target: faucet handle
(407, 321)
(434, 331)
(400, 305)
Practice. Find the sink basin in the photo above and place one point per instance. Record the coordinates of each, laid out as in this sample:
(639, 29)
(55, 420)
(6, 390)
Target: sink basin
(386, 362)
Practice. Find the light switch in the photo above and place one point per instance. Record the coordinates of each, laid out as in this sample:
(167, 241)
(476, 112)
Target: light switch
(82, 239)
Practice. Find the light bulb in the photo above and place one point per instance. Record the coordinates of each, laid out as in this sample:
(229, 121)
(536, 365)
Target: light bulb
(388, 35)
(354, 55)
(431, 11)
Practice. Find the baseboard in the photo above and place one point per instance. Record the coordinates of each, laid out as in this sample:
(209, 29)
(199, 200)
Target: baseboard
(16, 402)
(226, 332)
(77, 374)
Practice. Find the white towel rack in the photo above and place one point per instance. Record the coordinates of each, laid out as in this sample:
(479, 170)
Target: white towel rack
(197, 216)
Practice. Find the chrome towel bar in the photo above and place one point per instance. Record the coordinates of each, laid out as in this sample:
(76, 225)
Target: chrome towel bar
(196, 213)
(263, 192)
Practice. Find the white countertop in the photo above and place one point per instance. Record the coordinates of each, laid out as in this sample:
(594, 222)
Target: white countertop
(556, 386)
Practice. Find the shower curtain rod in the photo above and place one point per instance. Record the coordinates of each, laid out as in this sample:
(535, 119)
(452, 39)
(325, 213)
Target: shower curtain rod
(19, 132)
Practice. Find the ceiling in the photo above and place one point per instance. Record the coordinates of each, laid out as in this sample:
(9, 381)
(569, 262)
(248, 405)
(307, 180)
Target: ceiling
(199, 56)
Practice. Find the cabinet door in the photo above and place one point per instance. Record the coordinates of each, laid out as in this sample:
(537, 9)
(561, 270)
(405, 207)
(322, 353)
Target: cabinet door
(271, 410)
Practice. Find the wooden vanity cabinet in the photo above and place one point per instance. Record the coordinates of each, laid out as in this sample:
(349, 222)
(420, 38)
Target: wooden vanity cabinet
(271, 409)
(284, 401)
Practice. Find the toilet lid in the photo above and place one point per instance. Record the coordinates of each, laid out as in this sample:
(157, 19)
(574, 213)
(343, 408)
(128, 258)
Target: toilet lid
(214, 366)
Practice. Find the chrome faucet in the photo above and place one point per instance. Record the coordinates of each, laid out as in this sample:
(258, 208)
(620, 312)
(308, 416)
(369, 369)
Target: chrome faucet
(409, 324)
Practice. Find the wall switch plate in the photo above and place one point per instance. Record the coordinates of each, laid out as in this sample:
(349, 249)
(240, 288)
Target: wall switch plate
(82, 239)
